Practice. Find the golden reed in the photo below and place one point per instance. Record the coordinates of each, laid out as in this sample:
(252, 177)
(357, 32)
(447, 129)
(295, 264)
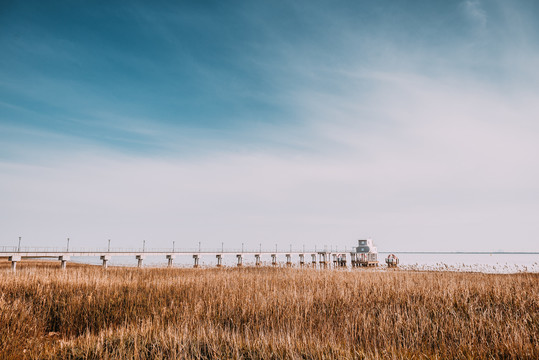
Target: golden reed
(266, 313)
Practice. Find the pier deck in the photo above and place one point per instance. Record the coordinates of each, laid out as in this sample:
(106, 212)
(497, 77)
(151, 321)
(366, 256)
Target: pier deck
(319, 257)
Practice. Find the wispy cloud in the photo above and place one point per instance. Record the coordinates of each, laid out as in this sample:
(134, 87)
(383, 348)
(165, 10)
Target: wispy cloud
(453, 168)
(475, 12)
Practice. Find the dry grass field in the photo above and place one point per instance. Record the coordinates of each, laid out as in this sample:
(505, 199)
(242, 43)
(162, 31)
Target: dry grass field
(265, 313)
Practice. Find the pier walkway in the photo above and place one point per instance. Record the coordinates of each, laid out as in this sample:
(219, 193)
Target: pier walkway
(322, 258)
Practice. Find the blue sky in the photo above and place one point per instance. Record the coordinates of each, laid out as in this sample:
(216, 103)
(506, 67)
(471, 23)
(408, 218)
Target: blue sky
(276, 122)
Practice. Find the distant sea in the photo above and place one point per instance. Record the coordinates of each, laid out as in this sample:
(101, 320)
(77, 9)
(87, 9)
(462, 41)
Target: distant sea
(487, 263)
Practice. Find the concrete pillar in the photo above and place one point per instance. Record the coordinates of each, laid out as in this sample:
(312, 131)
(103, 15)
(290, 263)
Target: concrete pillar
(64, 259)
(313, 260)
(323, 260)
(140, 258)
(219, 260)
(257, 259)
(353, 259)
(334, 260)
(288, 260)
(105, 259)
(14, 259)
(274, 259)
(170, 259)
(240, 259)
(343, 260)
(301, 260)
(195, 258)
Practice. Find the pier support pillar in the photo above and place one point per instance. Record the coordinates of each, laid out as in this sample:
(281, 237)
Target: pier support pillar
(219, 260)
(313, 260)
(105, 259)
(301, 260)
(341, 260)
(323, 260)
(140, 259)
(240, 259)
(64, 259)
(334, 260)
(288, 260)
(170, 259)
(14, 260)
(257, 259)
(195, 258)
(274, 259)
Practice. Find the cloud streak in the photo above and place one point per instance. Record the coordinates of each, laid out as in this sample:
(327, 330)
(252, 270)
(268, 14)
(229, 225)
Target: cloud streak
(476, 13)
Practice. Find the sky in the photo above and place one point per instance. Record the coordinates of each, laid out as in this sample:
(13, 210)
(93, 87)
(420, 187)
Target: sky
(414, 123)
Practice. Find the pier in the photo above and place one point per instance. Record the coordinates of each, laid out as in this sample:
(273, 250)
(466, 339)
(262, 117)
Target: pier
(319, 258)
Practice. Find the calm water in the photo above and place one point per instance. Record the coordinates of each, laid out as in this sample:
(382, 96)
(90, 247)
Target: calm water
(495, 263)
(491, 263)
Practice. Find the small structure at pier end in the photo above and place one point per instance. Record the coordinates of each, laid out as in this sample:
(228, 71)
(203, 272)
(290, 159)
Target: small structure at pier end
(392, 260)
(366, 254)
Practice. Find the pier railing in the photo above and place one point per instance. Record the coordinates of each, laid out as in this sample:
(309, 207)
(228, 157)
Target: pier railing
(64, 249)
(223, 250)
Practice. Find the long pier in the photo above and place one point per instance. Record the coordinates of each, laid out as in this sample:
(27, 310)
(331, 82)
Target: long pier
(314, 257)
(322, 258)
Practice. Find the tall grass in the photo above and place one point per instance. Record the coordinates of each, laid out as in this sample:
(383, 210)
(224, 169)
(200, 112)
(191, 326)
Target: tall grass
(266, 313)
